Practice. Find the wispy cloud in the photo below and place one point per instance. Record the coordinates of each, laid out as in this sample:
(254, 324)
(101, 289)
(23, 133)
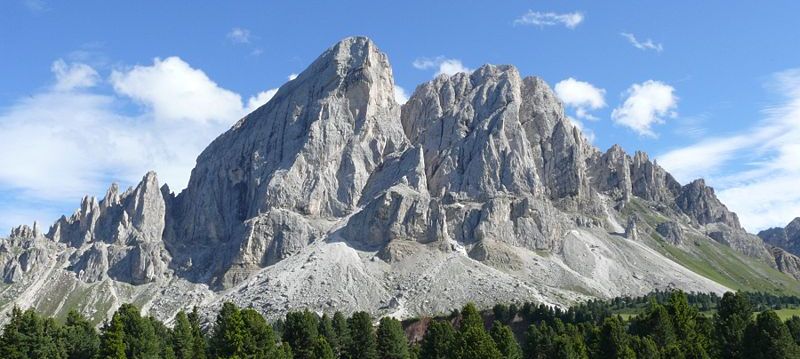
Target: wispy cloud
(642, 45)
(239, 35)
(443, 65)
(542, 19)
(756, 171)
(646, 104)
(36, 5)
(157, 116)
(581, 96)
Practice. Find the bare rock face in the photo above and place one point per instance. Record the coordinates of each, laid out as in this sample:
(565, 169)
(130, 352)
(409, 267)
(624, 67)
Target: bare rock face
(129, 226)
(471, 133)
(701, 204)
(309, 151)
(787, 238)
(631, 232)
(611, 174)
(671, 232)
(651, 182)
(787, 262)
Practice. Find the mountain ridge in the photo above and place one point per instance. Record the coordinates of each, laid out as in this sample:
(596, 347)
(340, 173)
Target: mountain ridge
(333, 196)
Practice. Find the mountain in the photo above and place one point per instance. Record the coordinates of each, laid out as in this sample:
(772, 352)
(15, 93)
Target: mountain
(334, 197)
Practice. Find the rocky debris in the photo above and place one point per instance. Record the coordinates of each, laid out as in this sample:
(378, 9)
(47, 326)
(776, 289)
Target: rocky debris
(787, 238)
(701, 204)
(671, 231)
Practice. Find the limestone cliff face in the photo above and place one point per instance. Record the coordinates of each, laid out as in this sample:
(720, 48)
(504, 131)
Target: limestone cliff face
(256, 190)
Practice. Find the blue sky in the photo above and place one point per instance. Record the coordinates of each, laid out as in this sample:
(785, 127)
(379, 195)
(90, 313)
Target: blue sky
(94, 92)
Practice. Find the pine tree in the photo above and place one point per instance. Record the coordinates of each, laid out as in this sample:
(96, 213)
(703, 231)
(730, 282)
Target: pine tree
(392, 343)
(768, 337)
(793, 324)
(363, 344)
(140, 337)
(657, 324)
(438, 341)
(539, 341)
(504, 339)
(182, 340)
(80, 338)
(199, 346)
(473, 342)
(112, 344)
(326, 330)
(163, 338)
(614, 341)
(730, 322)
(322, 350)
(645, 348)
(342, 336)
(259, 339)
(228, 338)
(300, 331)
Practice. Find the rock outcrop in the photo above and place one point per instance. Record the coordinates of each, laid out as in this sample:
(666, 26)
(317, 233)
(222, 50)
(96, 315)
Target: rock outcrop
(787, 238)
(701, 204)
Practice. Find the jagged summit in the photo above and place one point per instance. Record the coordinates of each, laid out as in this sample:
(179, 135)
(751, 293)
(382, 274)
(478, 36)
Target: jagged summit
(333, 197)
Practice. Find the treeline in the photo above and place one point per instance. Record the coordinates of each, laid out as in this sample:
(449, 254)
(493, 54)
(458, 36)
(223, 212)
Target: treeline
(669, 326)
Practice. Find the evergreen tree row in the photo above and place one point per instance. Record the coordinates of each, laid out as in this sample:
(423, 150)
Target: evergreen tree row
(670, 326)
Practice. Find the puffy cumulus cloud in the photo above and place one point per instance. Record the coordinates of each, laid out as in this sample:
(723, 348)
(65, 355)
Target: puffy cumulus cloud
(75, 138)
(646, 104)
(642, 45)
(756, 172)
(582, 96)
(536, 18)
(442, 64)
(176, 91)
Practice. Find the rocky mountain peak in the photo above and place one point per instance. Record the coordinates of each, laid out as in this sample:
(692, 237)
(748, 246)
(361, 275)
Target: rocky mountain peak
(701, 204)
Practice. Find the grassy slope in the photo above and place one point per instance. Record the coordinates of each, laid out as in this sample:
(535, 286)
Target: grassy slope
(716, 261)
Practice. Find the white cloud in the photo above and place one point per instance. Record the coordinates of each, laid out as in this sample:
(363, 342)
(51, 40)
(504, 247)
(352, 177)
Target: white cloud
(400, 95)
(443, 65)
(642, 45)
(176, 91)
(75, 138)
(582, 96)
(756, 172)
(263, 97)
(73, 76)
(239, 35)
(647, 104)
(260, 99)
(542, 19)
